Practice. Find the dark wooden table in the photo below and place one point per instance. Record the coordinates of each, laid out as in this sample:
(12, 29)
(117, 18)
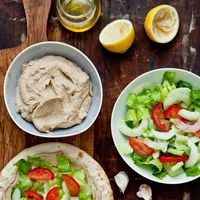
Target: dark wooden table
(116, 72)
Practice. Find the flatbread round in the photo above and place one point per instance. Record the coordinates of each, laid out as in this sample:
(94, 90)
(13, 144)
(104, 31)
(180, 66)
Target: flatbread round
(96, 176)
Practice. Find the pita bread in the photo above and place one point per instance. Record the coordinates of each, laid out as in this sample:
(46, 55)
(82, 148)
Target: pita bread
(96, 176)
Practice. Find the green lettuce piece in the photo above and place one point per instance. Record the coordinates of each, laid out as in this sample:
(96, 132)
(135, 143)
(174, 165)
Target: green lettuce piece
(182, 83)
(24, 183)
(148, 161)
(195, 95)
(192, 171)
(131, 118)
(57, 181)
(38, 162)
(124, 148)
(142, 113)
(194, 107)
(63, 163)
(169, 76)
(175, 151)
(131, 99)
(160, 174)
(83, 196)
(173, 170)
(23, 166)
(143, 99)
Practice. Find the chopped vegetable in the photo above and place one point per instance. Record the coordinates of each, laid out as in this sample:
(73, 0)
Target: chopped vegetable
(121, 180)
(53, 194)
(174, 159)
(72, 185)
(140, 147)
(186, 114)
(173, 111)
(176, 96)
(133, 132)
(181, 84)
(169, 76)
(39, 173)
(29, 194)
(158, 117)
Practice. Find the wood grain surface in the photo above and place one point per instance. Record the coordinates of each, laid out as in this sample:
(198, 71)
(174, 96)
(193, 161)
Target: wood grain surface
(116, 72)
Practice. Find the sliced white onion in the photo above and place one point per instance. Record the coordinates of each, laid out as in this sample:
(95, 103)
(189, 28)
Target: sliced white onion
(163, 135)
(16, 194)
(177, 95)
(160, 145)
(181, 138)
(46, 189)
(194, 139)
(192, 116)
(124, 148)
(193, 158)
(156, 154)
(189, 128)
(144, 192)
(133, 132)
(66, 195)
(122, 180)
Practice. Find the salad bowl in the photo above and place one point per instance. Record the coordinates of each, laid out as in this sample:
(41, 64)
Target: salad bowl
(148, 81)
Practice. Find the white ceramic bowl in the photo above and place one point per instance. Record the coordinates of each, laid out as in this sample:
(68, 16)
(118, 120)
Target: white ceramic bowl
(147, 80)
(52, 48)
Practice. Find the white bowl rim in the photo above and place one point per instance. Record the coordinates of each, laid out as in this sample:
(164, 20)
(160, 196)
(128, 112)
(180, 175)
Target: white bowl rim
(112, 131)
(51, 135)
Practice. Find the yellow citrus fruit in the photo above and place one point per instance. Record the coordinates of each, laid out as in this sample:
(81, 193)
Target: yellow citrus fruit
(162, 23)
(117, 36)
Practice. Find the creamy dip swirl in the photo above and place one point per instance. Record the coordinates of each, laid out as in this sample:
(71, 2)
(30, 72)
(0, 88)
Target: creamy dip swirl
(53, 92)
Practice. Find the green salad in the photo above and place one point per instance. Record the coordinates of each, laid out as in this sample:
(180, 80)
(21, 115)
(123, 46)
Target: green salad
(38, 179)
(162, 127)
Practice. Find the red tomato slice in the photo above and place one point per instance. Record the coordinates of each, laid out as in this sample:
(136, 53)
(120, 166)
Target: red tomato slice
(72, 185)
(53, 194)
(173, 158)
(197, 134)
(158, 117)
(42, 174)
(172, 112)
(32, 195)
(140, 147)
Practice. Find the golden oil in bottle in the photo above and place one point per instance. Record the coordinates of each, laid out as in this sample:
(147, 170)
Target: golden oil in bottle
(78, 15)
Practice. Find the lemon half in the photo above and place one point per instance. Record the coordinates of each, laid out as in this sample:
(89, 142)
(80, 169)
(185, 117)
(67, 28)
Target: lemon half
(162, 23)
(117, 36)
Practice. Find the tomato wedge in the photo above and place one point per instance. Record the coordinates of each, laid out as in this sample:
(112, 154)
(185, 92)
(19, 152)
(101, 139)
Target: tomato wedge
(172, 158)
(140, 147)
(172, 111)
(197, 134)
(158, 117)
(32, 195)
(43, 174)
(53, 194)
(72, 185)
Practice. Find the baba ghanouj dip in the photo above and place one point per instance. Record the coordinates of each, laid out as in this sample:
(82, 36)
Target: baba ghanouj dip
(53, 92)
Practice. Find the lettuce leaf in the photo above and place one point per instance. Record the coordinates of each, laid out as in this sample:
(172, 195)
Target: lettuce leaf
(63, 163)
(38, 162)
(192, 171)
(182, 83)
(23, 166)
(169, 76)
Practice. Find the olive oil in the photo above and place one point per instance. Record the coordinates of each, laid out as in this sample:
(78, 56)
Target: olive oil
(78, 15)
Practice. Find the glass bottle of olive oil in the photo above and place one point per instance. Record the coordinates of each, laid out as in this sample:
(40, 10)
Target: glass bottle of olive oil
(78, 15)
